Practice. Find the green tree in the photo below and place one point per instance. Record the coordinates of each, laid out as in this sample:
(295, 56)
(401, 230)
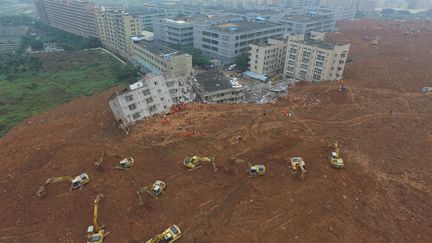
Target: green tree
(242, 61)
(198, 57)
(36, 45)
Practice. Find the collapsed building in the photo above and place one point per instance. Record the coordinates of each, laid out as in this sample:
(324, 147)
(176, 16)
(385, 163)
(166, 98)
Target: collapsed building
(215, 87)
(154, 94)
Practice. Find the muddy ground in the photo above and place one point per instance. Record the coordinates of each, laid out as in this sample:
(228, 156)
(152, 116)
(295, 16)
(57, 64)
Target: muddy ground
(383, 125)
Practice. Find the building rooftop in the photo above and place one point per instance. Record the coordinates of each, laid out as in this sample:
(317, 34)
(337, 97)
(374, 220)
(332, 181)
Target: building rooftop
(214, 81)
(321, 44)
(242, 26)
(157, 48)
(304, 18)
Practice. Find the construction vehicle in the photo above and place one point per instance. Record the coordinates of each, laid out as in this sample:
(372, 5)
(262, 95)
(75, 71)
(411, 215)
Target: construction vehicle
(254, 170)
(298, 165)
(124, 163)
(375, 41)
(171, 234)
(96, 232)
(77, 182)
(155, 190)
(341, 84)
(334, 158)
(194, 162)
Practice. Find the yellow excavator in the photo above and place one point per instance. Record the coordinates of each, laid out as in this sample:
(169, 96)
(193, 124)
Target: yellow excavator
(124, 163)
(171, 234)
(334, 158)
(254, 170)
(194, 162)
(95, 232)
(77, 182)
(155, 190)
(298, 165)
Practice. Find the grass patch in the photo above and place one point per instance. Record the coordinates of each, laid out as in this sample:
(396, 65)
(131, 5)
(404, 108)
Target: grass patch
(63, 76)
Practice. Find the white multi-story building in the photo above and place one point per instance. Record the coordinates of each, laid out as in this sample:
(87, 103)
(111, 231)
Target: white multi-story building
(152, 57)
(227, 40)
(269, 58)
(176, 32)
(315, 60)
(147, 97)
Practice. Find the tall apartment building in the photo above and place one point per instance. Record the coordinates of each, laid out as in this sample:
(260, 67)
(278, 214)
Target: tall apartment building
(147, 97)
(315, 60)
(305, 23)
(116, 28)
(269, 58)
(225, 41)
(176, 32)
(147, 16)
(74, 16)
(158, 59)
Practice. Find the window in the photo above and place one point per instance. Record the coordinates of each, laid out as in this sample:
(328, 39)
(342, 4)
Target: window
(136, 115)
(149, 100)
(132, 106)
(129, 98)
(152, 108)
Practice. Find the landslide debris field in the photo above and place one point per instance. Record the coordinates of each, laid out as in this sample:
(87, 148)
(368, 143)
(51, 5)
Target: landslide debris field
(383, 125)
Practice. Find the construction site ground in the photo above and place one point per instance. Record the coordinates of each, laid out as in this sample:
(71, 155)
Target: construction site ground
(382, 123)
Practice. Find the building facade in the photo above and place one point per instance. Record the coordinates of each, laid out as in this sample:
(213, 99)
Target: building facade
(116, 28)
(74, 16)
(214, 87)
(176, 32)
(225, 41)
(267, 59)
(147, 97)
(315, 60)
(158, 59)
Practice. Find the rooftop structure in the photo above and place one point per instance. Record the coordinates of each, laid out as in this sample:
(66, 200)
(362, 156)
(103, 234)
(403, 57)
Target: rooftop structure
(323, 21)
(243, 26)
(216, 87)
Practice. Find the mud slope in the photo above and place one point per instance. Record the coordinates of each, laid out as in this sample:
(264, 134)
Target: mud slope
(382, 124)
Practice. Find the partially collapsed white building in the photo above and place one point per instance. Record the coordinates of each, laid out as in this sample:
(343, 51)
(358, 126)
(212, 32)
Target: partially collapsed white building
(154, 94)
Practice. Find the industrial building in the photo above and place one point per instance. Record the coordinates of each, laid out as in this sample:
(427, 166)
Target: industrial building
(175, 32)
(315, 60)
(152, 95)
(116, 28)
(153, 57)
(214, 87)
(323, 21)
(75, 16)
(225, 41)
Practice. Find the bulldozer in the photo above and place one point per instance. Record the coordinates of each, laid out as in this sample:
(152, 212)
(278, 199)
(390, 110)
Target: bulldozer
(96, 232)
(124, 163)
(254, 170)
(171, 234)
(334, 158)
(298, 165)
(77, 182)
(155, 190)
(194, 162)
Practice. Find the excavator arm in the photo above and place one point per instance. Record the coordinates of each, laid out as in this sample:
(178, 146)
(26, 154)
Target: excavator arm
(52, 180)
(95, 213)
